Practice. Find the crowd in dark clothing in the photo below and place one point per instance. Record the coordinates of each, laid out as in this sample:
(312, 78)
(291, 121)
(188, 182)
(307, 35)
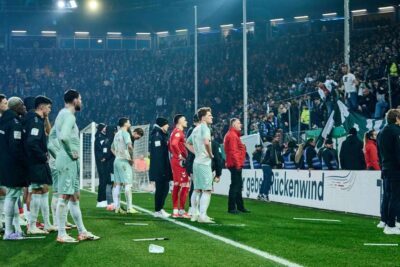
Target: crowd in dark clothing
(283, 78)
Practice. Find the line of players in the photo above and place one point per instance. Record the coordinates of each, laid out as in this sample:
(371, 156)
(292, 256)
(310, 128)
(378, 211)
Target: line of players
(191, 164)
(35, 155)
(172, 158)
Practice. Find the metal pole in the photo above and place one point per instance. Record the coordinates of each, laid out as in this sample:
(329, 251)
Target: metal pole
(93, 158)
(390, 91)
(347, 32)
(81, 160)
(290, 120)
(245, 112)
(195, 62)
(299, 123)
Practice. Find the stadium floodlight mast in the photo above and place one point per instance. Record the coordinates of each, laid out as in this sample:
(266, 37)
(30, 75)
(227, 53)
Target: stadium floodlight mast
(245, 108)
(195, 62)
(347, 32)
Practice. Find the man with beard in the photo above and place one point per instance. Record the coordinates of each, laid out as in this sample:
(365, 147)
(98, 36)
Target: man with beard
(67, 166)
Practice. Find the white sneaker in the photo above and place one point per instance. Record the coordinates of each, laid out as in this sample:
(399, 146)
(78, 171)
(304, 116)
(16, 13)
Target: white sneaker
(158, 214)
(382, 225)
(204, 219)
(102, 204)
(36, 231)
(51, 228)
(165, 214)
(391, 230)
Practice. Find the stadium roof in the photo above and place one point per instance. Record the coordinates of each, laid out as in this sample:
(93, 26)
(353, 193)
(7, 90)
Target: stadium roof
(160, 15)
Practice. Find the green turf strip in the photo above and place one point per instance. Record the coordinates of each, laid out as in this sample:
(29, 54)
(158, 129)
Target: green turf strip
(270, 227)
(116, 248)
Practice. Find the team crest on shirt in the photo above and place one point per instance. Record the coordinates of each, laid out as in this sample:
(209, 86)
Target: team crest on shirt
(177, 134)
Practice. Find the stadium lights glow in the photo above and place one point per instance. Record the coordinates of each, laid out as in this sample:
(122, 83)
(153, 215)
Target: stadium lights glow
(61, 4)
(81, 33)
(93, 5)
(329, 14)
(49, 32)
(227, 26)
(358, 11)
(248, 23)
(19, 31)
(73, 4)
(204, 29)
(386, 9)
(301, 17)
(162, 33)
(143, 33)
(276, 20)
(182, 30)
(99, 41)
(114, 33)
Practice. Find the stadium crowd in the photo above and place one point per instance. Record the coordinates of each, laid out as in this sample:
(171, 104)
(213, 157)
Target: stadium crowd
(117, 83)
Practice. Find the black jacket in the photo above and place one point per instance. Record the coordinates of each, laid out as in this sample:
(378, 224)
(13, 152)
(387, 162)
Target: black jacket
(273, 156)
(36, 150)
(98, 153)
(13, 162)
(389, 150)
(217, 163)
(327, 155)
(160, 168)
(190, 158)
(352, 155)
(108, 155)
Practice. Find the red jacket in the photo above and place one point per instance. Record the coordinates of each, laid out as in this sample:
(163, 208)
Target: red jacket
(235, 150)
(371, 155)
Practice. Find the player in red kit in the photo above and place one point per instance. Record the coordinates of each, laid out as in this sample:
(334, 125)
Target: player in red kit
(181, 178)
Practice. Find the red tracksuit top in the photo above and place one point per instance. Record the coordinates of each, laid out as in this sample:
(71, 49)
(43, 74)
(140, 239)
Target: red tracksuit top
(177, 144)
(235, 150)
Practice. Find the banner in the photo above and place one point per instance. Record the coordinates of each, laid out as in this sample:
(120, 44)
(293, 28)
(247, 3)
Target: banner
(346, 191)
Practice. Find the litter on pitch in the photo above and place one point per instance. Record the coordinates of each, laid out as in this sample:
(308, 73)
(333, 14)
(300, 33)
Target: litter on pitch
(317, 220)
(151, 239)
(382, 244)
(156, 249)
(136, 224)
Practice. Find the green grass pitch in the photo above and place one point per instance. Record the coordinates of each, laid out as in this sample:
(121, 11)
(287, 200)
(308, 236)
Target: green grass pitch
(269, 227)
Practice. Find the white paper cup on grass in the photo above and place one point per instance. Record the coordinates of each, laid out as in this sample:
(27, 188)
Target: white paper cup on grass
(156, 249)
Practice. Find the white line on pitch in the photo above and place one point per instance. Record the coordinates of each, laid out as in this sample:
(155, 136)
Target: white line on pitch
(233, 225)
(383, 245)
(252, 250)
(35, 237)
(318, 220)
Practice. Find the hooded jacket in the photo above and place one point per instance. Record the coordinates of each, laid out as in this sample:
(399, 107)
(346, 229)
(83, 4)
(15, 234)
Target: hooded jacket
(351, 154)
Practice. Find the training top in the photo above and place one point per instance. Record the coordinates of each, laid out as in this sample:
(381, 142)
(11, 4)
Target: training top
(120, 145)
(199, 136)
(67, 132)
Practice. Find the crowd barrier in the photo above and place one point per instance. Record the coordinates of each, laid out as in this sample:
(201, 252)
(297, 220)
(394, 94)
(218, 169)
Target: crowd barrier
(356, 192)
